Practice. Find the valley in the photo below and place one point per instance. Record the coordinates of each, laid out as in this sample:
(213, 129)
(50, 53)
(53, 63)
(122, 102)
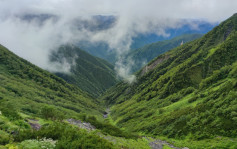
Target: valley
(71, 87)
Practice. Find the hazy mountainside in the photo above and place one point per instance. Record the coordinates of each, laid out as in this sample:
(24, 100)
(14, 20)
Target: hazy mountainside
(90, 73)
(144, 39)
(28, 88)
(145, 54)
(188, 92)
(102, 50)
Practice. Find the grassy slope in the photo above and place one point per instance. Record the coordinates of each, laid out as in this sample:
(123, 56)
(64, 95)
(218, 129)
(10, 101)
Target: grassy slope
(28, 88)
(90, 73)
(191, 95)
(150, 51)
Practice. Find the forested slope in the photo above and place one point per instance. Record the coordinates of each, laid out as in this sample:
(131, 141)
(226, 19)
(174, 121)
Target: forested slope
(145, 54)
(188, 92)
(89, 73)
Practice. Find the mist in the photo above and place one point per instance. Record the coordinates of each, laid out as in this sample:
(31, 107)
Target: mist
(35, 38)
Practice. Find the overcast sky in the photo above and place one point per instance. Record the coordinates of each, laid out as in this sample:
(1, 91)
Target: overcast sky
(34, 42)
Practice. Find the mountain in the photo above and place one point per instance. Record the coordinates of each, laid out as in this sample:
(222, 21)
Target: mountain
(102, 50)
(202, 28)
(188, 93)
(89, 73)
(39, 109)
(27, 88)
(145, 54)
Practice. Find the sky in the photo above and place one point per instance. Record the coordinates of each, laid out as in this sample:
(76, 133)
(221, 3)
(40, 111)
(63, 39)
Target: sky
(34, 41)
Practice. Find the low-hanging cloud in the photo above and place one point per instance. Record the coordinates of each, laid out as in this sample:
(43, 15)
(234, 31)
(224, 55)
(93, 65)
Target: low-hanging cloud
(35, 39)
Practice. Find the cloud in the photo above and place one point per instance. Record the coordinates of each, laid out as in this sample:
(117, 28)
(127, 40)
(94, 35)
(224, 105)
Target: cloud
(35, 41)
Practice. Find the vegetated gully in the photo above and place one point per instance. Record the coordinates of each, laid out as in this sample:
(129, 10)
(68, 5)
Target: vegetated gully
(153, 143)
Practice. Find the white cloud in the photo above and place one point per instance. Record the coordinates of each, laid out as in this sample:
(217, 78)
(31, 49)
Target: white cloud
(35, 42)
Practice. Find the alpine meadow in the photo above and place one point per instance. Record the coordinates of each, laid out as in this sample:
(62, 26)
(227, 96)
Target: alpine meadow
(101, 74)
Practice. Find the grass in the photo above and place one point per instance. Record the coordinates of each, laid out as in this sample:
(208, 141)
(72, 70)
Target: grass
(166, 147)
(214, 143)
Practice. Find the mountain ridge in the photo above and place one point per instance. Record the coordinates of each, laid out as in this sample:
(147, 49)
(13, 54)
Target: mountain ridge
(150, 51)
(92, 74)
(186, 95)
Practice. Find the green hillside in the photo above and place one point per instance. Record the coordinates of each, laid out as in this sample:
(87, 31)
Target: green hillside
(145, 54)
(89, 73)
(27, 88)
(40, 110)
(188, 94)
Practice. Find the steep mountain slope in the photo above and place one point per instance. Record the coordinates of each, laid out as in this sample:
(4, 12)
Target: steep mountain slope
(28, 88)
(90, 73)
(188, 92)
(145, 54)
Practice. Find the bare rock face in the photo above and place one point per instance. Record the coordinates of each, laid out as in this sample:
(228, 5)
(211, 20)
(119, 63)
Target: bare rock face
(80, 124)
(34, 124)
(151, 66)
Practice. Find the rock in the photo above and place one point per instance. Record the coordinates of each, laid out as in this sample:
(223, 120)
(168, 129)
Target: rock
(83, 125)
(35, 126)
(156, 145)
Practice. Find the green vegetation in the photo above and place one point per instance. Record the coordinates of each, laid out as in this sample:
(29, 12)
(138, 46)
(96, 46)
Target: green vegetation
(186, 96)
(67, 137)
(89, 73)
(31, 98)
(27, 88)
(145, 54)
(28, 92)
(188, 93)
(109, 129)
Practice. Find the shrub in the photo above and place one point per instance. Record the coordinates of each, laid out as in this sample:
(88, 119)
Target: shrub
(187, 91)
(66, 136)
(38, 144)
(48, 112)
(109, 129)
(4, 139)
(192, 99)
(10, 113)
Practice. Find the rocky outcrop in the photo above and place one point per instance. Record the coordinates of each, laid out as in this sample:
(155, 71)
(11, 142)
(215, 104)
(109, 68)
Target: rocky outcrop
(34, 124)
(81, 124)
(151, 66)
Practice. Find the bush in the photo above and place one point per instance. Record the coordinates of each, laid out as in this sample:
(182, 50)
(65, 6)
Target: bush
(187, 91)
(109, 129)
(192, 99)
(4, 139)
(22, 124)
(66, 136)
(38, 144)
(11, 114)
(48, 112)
